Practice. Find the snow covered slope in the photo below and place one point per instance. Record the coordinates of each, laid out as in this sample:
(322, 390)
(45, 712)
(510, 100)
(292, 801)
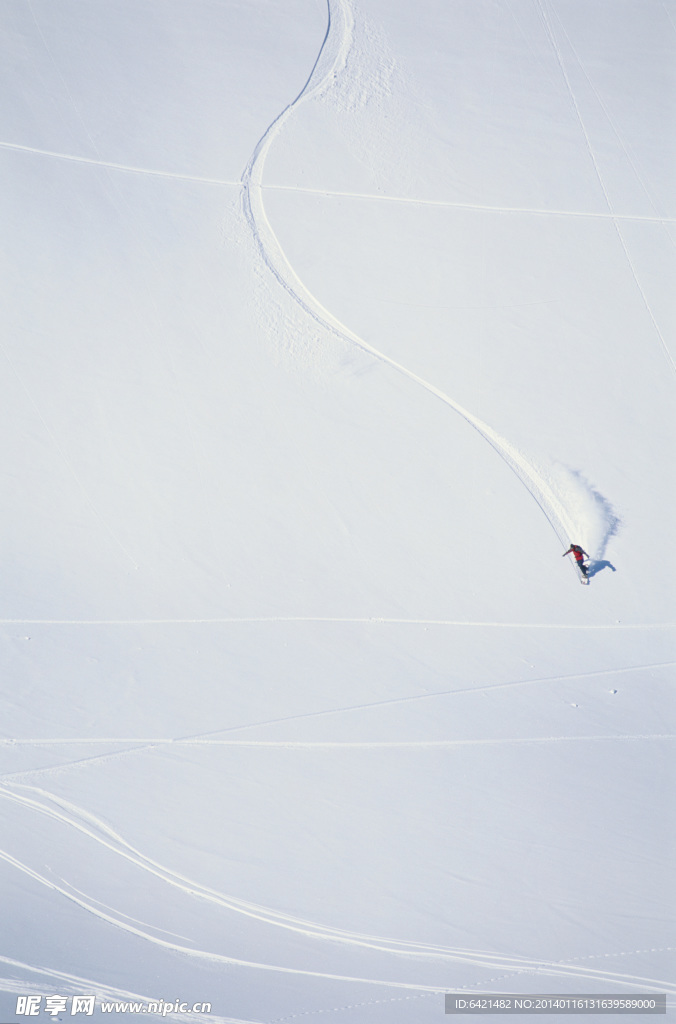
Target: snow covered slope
(326, 330)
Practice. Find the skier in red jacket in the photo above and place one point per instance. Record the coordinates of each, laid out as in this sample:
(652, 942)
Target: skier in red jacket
(580, 555)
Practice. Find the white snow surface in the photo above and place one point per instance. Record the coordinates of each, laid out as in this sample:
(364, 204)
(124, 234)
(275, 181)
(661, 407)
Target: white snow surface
(326, 329)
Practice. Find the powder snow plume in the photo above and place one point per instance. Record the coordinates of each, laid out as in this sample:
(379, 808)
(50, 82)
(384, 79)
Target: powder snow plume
(590, 519)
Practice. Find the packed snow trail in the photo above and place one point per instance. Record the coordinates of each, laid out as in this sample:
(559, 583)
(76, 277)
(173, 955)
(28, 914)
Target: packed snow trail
(331, 61)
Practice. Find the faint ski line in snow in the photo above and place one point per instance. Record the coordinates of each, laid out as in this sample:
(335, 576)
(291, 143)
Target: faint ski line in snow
(85, 822)
(481, 207)
(353, 708)
(668, 13)
(128, 916)
(111, 165)
(380, 1003)
(480, 987)
(26, 774)
(110, 755)
(206, 741)
(351, 1006)
(434, 305)
(609, 119)
(151, 744)
(339, 620)
(330, 193)
(624, 952)
(145, 744)
(425, 696)
(542, 6)
(5, 742)
(61, 75)
(402, 744)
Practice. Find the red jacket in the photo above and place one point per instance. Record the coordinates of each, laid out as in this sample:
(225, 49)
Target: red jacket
(580, 553)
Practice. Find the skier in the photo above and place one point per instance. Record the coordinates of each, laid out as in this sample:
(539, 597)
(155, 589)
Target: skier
(580, 554)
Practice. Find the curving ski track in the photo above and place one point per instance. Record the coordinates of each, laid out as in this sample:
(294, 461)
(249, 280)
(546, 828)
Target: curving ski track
(330, 61)
(68, 814)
